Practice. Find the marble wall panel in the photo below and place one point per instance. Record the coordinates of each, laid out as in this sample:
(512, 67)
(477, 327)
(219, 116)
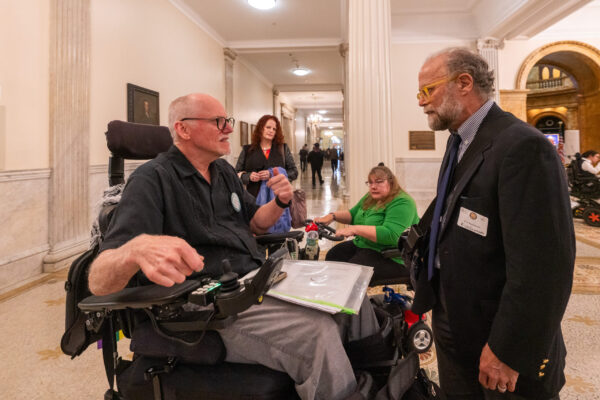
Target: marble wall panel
(24, 211)
(24, 224)
(418, 177)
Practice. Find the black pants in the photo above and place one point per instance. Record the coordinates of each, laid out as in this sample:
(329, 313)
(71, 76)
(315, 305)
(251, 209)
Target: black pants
(384, 269)
(316, 170)
(334, 165)
(458, 380)
(303, 164)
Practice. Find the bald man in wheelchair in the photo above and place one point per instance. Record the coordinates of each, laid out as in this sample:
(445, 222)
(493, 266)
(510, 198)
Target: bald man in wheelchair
(186, 210)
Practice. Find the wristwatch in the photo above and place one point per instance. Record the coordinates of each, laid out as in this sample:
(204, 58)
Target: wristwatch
(333, 216)
(281, 204)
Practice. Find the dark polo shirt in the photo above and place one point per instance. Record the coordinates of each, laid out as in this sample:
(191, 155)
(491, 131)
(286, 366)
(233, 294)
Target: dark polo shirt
(168, 196)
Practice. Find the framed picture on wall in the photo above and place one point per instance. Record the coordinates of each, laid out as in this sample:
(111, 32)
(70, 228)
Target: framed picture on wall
(243, 133)
(252, 128)
(142, 105)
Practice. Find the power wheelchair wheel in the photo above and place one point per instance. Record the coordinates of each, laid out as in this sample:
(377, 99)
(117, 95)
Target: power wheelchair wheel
(591, 216)
(578, 212)
(419, 337)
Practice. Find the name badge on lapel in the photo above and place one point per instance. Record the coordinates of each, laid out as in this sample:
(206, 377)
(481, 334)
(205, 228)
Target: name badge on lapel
(472, 221)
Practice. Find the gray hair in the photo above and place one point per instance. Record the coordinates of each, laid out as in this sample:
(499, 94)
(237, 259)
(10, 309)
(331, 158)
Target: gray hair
(462, 60)
(179, 108)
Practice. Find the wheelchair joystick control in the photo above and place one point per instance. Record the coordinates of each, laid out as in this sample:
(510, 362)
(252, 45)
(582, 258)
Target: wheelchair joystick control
(229, 279)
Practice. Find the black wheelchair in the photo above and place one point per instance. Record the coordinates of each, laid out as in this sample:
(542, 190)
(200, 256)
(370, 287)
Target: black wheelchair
(585, 187)
(182, 355)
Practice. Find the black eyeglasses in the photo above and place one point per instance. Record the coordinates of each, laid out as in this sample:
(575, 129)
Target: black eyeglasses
(221, 121)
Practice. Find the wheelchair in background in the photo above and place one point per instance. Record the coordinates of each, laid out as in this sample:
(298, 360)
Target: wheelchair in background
(585, 188)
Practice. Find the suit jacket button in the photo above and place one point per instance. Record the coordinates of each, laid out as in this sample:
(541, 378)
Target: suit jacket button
(545, 361)
(542, 366)
(541, 374)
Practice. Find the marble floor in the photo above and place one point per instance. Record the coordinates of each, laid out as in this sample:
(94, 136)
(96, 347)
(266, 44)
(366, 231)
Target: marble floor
(33, 367)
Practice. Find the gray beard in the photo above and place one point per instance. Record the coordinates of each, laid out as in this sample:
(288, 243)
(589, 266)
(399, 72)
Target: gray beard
(444, 117)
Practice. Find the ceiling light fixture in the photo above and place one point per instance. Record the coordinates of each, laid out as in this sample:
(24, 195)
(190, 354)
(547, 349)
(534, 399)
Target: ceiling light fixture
(300, 71)
(322, 111)
(314, 119)
(262, 4)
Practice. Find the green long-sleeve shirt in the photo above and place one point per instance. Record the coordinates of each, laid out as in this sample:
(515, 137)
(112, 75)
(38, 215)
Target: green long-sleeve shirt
(390, 221)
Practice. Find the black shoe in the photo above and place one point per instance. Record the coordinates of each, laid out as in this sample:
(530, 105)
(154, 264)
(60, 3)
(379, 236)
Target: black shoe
(322, 182)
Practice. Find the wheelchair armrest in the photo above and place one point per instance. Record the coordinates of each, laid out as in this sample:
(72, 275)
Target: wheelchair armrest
(139, 297)
(391, 253)
(278, 238)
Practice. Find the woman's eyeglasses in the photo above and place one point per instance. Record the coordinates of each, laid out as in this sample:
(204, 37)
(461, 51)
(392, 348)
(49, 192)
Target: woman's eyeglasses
(377, 182)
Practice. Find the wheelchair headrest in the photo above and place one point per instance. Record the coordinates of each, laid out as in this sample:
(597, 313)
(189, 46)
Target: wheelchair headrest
(137, 141)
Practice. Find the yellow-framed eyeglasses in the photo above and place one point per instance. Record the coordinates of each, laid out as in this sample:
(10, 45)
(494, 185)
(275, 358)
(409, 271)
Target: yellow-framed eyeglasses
(424, 92)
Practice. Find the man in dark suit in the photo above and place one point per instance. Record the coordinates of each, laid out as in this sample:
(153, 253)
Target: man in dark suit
(315, 158)
(498, 266)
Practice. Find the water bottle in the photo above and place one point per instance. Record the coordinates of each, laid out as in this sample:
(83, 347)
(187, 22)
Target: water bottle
(311, 250)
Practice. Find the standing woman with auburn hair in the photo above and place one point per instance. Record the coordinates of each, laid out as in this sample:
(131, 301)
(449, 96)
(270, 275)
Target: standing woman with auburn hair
(267, 150)
(376, 222)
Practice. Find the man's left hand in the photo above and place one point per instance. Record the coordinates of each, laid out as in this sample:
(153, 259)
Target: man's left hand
(280, 186)
(494, 374)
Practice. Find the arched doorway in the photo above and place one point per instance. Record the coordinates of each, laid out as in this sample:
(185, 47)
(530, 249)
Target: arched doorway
(566, 86)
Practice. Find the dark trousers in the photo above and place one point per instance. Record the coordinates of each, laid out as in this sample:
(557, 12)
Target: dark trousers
(334, 165)
(303, 165)
(316, 170)
(458, 380)
(384, 269)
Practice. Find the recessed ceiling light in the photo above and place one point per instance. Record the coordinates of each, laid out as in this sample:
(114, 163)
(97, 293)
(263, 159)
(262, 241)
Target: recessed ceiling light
(330, 127)
(322, 111)
(262, 4)
(300, 71)
(326, 119)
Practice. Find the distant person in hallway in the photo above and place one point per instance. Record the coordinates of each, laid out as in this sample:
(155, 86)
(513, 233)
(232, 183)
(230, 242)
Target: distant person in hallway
(376, 222)
(334, 159)
(267, 150)
(315, 158)
(303, 157)
(498, 269)
(590, 160)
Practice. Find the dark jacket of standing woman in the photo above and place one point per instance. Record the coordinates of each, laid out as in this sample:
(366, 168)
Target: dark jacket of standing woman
(252, 159)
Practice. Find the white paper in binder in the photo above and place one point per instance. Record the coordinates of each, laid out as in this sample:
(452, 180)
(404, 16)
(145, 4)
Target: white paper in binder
(328, 286)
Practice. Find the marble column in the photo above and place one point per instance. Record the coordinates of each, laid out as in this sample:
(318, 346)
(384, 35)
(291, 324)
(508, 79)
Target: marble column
(230, 57)
(488, 49)
(276, 104)
(68, 221)
(368, 95)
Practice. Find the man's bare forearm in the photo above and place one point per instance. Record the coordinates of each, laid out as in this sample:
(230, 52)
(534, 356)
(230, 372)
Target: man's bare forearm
(265, 217)
(111, 271)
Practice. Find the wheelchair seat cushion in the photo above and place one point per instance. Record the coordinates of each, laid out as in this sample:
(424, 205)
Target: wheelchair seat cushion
(223, 381)
(148, 342)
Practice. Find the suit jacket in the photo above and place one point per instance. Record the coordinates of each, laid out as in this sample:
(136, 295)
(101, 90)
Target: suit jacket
(508, 287)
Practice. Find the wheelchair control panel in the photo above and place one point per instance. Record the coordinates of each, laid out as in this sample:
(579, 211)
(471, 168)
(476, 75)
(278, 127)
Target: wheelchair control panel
(165, 305)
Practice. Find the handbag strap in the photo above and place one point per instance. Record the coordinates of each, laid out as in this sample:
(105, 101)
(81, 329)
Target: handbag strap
(281, 150)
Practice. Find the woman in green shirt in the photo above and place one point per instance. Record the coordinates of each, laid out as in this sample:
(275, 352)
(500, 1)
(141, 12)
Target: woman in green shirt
(376, 222)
